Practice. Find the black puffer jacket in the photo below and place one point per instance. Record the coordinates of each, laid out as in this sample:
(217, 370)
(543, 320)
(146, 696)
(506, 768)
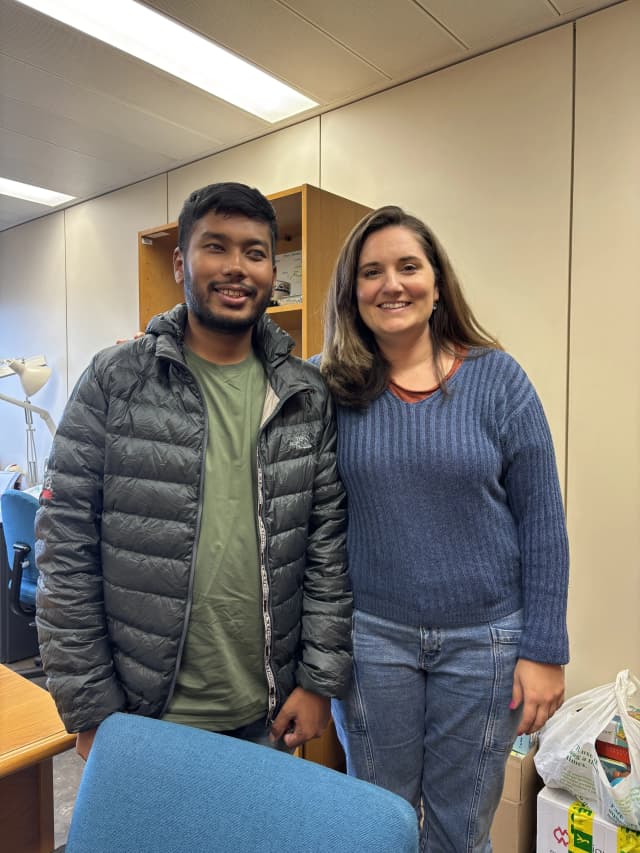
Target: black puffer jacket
(120, 515)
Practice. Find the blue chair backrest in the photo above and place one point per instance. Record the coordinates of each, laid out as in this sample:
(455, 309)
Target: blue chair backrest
(18, 518)
(156, 787)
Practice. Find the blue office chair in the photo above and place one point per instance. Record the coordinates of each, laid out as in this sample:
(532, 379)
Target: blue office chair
(18, 518)
(156, 787)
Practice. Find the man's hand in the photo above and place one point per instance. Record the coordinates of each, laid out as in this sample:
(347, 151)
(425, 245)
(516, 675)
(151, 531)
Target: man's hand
(84, 742)
(541, 687)
(303, 716)
(134, 337)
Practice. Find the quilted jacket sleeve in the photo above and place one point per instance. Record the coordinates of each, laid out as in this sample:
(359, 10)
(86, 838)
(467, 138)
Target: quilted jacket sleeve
(325, 667)
(70, 611)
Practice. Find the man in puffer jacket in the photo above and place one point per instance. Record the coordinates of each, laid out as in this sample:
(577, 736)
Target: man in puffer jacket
(191, 535)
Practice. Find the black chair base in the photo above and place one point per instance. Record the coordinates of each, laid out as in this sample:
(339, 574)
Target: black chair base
(36, 672)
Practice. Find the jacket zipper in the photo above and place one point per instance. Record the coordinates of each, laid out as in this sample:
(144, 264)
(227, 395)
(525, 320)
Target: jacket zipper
(266, 610)
(185, 626)
(264, 575)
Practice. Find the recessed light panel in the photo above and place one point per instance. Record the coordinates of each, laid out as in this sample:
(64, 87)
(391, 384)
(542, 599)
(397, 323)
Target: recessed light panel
(153, 38)
(27, 192)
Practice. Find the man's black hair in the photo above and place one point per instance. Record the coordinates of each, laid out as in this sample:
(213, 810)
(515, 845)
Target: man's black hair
(226, 197)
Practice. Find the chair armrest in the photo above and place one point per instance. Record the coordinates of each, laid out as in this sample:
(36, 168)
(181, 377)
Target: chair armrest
(20, 553)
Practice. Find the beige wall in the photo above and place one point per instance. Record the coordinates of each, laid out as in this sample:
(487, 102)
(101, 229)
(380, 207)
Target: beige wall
(32, 322)
(276, 162)
(483, 151)
(102, 267)
(603, 496)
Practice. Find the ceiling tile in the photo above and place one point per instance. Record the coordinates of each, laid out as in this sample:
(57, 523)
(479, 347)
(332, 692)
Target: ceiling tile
(278, 41)
(13, 211)
(40, 90)
(55, 129)
(70, 56)
(396, 36)
(572, 7)
(483, 25)
(33, 161)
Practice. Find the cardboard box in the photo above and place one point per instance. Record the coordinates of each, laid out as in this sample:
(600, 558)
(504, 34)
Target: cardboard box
(565, 825)
(514, 824)
(521, 781)
(514, 827)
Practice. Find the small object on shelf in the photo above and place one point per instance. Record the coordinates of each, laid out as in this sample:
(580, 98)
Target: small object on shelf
(290, 300)
(281, 289)
(289, 266)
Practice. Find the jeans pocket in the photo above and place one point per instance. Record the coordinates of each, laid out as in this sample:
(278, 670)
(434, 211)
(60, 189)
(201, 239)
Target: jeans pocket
(506, 634)
(349, 713)
(508, 629)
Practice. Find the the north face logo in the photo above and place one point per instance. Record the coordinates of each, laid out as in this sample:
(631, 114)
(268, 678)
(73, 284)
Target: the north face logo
(300, 440)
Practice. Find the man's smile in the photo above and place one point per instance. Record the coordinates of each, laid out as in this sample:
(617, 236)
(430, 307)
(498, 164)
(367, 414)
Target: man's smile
(232, 293)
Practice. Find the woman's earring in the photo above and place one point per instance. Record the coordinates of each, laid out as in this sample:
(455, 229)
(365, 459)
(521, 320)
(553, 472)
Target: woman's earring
(435, 305)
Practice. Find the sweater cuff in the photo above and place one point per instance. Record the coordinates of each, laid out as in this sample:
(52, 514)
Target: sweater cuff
(545, 638)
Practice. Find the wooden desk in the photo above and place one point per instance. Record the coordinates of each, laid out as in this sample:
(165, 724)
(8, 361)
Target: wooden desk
(31, 733)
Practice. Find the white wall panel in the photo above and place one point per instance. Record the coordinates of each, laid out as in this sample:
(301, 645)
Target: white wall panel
(102, 267)
(32, 322)
(482, 152)
(604, 413)
(284, 159)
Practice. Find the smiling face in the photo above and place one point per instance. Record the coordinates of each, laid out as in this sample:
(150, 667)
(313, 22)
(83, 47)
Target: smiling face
(227, 272)
(396, 288)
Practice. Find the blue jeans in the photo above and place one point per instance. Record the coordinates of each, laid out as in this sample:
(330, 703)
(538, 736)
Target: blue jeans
(427, 717)
(257, 732)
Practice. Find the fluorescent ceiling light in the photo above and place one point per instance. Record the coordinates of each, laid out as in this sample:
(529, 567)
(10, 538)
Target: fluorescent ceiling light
(38, 195)
(148, 35)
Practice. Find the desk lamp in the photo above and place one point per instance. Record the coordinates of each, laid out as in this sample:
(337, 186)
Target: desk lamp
(34, 374)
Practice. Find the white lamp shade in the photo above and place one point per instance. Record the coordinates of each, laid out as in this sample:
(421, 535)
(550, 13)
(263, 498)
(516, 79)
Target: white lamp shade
(33, 377)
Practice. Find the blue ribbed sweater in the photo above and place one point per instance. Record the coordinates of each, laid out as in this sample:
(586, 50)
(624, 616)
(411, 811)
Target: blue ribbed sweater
(455, 511)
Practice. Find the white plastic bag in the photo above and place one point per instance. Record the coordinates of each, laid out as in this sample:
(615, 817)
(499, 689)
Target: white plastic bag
(567, 756)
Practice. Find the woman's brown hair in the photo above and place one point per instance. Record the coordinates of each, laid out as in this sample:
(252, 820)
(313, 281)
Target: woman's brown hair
(352, 363)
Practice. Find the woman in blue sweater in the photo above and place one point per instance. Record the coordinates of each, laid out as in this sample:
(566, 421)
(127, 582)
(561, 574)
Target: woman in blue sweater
(457, 542)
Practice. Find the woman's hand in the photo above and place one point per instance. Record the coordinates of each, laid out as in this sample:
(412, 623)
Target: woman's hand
(539, 687)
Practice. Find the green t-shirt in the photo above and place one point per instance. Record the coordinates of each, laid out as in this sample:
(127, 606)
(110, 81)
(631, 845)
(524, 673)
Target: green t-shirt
(221, 683)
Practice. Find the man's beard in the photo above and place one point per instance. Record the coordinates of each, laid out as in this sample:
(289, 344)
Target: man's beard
(227, 323)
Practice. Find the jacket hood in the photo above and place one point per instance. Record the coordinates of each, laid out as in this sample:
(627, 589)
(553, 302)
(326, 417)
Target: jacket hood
(271, 342)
